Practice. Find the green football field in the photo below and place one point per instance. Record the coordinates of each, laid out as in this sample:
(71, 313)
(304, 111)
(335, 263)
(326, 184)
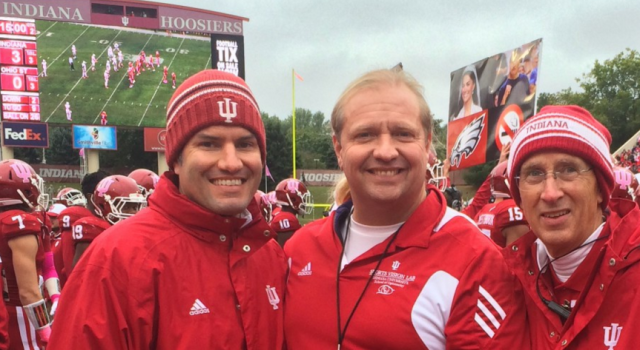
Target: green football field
(144, 105)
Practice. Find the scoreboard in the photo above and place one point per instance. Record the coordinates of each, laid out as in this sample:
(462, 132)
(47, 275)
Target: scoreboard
(19, 87)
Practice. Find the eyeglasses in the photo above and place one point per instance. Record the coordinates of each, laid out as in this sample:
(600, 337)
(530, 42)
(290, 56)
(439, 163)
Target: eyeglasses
(533, 178)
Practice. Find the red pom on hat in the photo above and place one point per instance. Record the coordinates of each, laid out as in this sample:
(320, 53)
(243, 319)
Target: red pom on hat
(211, 97)
(566, 129)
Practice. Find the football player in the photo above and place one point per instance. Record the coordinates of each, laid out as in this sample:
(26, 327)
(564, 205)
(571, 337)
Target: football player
(84, 70)
(115, 198)
(44, 67)
(103, 118)
(436, 172)
(69, 197)
(483, 194)
(23, 255)
(106, 78)
(265, 204)
(94, 60)
(76, 203)
(132, 75)
(146, 180)
(501, 220)
(67, 110)
(292, 198)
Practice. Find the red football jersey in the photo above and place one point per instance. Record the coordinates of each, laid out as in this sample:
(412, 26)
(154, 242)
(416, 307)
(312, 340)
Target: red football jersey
(13, 224)
(284, 221)
(88, 228)
(495, 217)
(67, 218)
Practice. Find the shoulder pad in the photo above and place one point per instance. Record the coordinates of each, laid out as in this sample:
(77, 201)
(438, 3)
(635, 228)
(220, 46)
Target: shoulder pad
(18, 222)
(70, 215)
(284, 222)
(88, 228)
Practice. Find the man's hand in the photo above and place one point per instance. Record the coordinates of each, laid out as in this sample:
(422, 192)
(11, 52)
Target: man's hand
(504, 154)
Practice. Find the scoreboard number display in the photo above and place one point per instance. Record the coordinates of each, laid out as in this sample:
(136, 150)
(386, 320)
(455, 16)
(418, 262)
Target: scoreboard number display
(19, 87)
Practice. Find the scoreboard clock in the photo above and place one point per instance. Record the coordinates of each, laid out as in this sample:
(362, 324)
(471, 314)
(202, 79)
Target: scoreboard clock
(19, 86)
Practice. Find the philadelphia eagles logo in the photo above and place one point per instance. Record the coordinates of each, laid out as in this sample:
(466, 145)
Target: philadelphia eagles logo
(467, 141)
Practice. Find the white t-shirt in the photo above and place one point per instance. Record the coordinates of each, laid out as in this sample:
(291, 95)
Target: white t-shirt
(565, 266)
(361, 238)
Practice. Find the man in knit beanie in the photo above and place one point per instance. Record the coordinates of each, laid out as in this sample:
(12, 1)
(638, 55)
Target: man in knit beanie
(197, 269)
(582, 255)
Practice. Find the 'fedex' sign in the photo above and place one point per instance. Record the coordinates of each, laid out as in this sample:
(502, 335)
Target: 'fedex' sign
(25, 135)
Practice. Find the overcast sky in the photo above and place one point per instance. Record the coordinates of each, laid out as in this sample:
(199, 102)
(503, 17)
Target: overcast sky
(330, 43)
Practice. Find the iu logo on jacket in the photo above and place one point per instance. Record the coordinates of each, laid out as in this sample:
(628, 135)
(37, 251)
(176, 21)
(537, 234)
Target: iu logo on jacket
(612, 335)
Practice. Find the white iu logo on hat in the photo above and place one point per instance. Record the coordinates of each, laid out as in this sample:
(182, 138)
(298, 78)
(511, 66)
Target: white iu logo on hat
(225, 111)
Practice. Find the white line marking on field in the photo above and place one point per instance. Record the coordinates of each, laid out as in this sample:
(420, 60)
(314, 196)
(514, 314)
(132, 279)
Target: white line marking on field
(160, 83)
(80, 79)
(65, 50)
(120, 82)
(46, 30)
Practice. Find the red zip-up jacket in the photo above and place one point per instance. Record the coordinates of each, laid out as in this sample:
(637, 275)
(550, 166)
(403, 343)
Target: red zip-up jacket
(606, 314)
(176, 276)
(441, 285)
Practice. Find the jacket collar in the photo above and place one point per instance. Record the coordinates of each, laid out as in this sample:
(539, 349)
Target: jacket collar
(200, 222)
(624, 222)
(622, 225)
(416, 231)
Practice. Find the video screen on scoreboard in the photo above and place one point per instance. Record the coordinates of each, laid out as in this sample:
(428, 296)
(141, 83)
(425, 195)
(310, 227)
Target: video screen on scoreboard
(88, 71)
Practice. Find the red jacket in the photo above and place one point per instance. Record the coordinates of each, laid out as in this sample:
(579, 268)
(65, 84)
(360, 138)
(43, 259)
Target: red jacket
(176, 276)
(610, 298)
(442, 285)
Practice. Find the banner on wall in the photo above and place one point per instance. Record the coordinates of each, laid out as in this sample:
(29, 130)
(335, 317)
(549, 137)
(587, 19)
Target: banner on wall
(489, 101)
(227, 53)
(94, 137)
(34, 135)
(154, 139)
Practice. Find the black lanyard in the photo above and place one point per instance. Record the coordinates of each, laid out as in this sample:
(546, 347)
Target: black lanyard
(342, 332)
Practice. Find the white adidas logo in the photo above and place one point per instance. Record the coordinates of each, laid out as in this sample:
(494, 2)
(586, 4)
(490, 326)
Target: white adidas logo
(198, 308)
(306, 270)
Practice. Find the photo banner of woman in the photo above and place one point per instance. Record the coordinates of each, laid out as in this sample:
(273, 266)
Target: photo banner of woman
(489, 100)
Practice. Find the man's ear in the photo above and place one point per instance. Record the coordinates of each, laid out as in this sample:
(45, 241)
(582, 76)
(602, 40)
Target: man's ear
(337, 148)
(177, 165)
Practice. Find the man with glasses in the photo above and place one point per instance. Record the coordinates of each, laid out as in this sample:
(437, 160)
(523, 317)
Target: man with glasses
(580, 263)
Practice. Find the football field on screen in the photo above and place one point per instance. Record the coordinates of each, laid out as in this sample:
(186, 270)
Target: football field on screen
(143, 105)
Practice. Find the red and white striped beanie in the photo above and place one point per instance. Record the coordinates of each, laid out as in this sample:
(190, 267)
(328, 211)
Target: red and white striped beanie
(211, 97)
(567, 129)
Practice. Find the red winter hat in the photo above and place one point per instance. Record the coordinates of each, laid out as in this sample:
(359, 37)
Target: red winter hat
(211, 97)
(567, 129)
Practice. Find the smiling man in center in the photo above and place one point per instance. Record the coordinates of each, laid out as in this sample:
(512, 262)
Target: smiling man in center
(394, 268)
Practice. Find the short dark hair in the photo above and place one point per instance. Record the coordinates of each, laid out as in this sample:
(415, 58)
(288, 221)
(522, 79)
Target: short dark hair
(91, 180)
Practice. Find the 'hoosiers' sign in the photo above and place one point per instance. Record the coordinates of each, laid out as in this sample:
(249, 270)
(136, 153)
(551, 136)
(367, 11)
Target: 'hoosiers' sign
(25, 135)
(315, 177)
